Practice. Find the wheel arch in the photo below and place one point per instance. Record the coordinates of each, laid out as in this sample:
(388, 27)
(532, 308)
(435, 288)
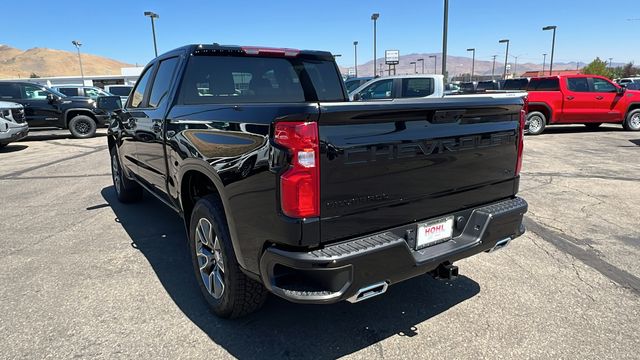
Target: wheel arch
(632, 106)
(73, 112)
(541, 107)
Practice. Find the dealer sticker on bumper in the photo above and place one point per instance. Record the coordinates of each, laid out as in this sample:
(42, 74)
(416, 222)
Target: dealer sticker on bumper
(434, 232)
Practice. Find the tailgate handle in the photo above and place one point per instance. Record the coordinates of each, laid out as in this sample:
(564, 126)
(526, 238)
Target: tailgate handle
(447, 116)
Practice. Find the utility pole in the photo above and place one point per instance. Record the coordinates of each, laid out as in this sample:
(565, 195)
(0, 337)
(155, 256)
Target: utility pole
(493, 69)
(506, 57)
(544, 59)
(355, 53)
(374, 17)
(445, 26)
(77, 44)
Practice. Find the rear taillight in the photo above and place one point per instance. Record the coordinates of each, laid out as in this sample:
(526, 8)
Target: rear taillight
(300, 184)
(523, 117)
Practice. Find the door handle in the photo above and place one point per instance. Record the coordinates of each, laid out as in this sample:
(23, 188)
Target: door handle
(569, 97)
(599, 98)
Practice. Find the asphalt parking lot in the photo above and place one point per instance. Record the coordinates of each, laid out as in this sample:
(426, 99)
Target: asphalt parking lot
(84, 276)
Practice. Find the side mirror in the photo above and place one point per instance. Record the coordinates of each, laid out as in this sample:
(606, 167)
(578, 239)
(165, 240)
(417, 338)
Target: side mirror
(357, 97)
(620, 90)
(51, 98)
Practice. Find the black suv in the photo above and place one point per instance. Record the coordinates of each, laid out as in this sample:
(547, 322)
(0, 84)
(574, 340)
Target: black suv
(45, 107)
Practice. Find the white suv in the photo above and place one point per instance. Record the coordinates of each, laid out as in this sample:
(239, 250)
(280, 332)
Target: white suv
(13, 125)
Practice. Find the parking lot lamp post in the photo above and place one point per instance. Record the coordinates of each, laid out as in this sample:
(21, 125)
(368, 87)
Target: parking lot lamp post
(415, 67)
(544, 60)
(473, 62)
(553, 45)
(153, 16)
(506, 57)
(445, 29)
(355, 56)
(435, 63)
(374, 17)
(422, 62)
(610, 62)
(493, 69)
(77, 44)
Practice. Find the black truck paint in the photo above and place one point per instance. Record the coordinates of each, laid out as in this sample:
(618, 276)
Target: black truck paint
(384, 168)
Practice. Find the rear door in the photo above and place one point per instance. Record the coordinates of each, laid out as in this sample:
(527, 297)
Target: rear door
(415, 87)
(391, 164)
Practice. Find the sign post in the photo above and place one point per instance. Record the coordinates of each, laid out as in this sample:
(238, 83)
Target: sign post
(392, 57)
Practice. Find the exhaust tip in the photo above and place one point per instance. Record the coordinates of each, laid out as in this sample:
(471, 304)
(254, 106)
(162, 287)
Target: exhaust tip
(368, 292)
(500, 244)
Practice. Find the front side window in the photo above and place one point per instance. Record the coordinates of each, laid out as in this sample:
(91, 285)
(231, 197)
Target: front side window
(578, 84)
(34, 92)
(120, 90)
(378, 90)
(602, 85)
(162, 81)
(417, 87)
(138, 92)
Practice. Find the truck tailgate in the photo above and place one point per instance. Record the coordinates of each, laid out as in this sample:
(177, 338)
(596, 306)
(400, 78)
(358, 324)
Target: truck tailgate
(388, 164)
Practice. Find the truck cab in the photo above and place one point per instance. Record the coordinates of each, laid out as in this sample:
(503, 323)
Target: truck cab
(581, 99)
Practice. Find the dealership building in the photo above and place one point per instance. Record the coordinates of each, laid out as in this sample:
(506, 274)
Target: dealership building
(128, 76)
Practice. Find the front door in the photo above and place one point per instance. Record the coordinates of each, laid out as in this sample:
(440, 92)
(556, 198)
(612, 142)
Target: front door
(39, 111)
(608, 104)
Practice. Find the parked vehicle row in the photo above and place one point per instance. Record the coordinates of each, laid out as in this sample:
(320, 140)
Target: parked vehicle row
(337, 188)
(400, 86)
(581, 99)
(46, 107)
(13, 125)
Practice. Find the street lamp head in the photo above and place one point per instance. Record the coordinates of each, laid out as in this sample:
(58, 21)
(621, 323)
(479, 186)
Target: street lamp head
(471, 49)
(432, 56)
(336, 55)
(420, 60)
(550, 27)
(375, 16)
(412, 62)
(76, 43)
(151, 14)
(504, 41)
(355, 43)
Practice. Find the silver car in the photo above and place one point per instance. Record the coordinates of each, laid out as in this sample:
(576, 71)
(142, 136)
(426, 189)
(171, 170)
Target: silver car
(13, 124)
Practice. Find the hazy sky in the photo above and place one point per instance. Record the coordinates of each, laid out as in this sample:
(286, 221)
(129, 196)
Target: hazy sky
(118, 29)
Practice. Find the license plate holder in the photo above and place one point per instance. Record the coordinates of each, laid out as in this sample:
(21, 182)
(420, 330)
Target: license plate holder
(434, 232)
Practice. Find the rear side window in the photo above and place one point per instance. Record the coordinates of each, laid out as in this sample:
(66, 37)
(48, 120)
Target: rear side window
(253, 79)
(488, 85)
(120, 90)
(418, 87)
(138, 92)
(551, 84)
(578, 84)
(69, 91)
(9, 91)
(515, 84)
(162, 81)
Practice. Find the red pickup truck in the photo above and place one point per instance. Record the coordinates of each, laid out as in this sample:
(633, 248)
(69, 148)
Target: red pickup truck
(580, 99)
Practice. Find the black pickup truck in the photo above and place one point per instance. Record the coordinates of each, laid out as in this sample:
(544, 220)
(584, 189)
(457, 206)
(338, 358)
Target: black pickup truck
(287, 187)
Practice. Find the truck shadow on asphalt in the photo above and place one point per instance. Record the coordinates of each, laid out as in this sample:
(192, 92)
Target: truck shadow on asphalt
(13, 147)
(558, 129)
(48, 134)
(282, 329)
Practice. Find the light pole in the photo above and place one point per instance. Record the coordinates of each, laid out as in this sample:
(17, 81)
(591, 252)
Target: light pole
(493, 69)
(153, 16)
(445, 27)
(473, 62)
(355, 55)
(336, 55)
(610, 62)
(435, 63)
(515, 64)
(506, 57)
(374, 17)
(544, 60)
(421, 61)
(415, 67)
(77, 44)
(553, 45)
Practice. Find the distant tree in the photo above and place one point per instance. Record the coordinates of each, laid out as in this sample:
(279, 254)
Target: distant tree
(629, 70)
(598, 67)
(34, 75)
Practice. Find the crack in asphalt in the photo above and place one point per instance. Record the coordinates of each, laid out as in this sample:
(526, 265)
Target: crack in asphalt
(567, 244)
(23, 171)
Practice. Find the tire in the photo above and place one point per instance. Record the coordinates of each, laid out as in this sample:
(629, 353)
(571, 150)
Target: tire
(539, 120)
(233, 294)
(592, 126)
(82, 127)
(2, 146)
(128, 191)
(632, 121)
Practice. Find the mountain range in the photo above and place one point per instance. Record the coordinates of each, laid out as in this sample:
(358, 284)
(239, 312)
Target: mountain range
(16, 63)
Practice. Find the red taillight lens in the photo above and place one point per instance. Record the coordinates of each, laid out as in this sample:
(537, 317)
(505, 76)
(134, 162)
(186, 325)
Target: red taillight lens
(523, 116)
(300, 184)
